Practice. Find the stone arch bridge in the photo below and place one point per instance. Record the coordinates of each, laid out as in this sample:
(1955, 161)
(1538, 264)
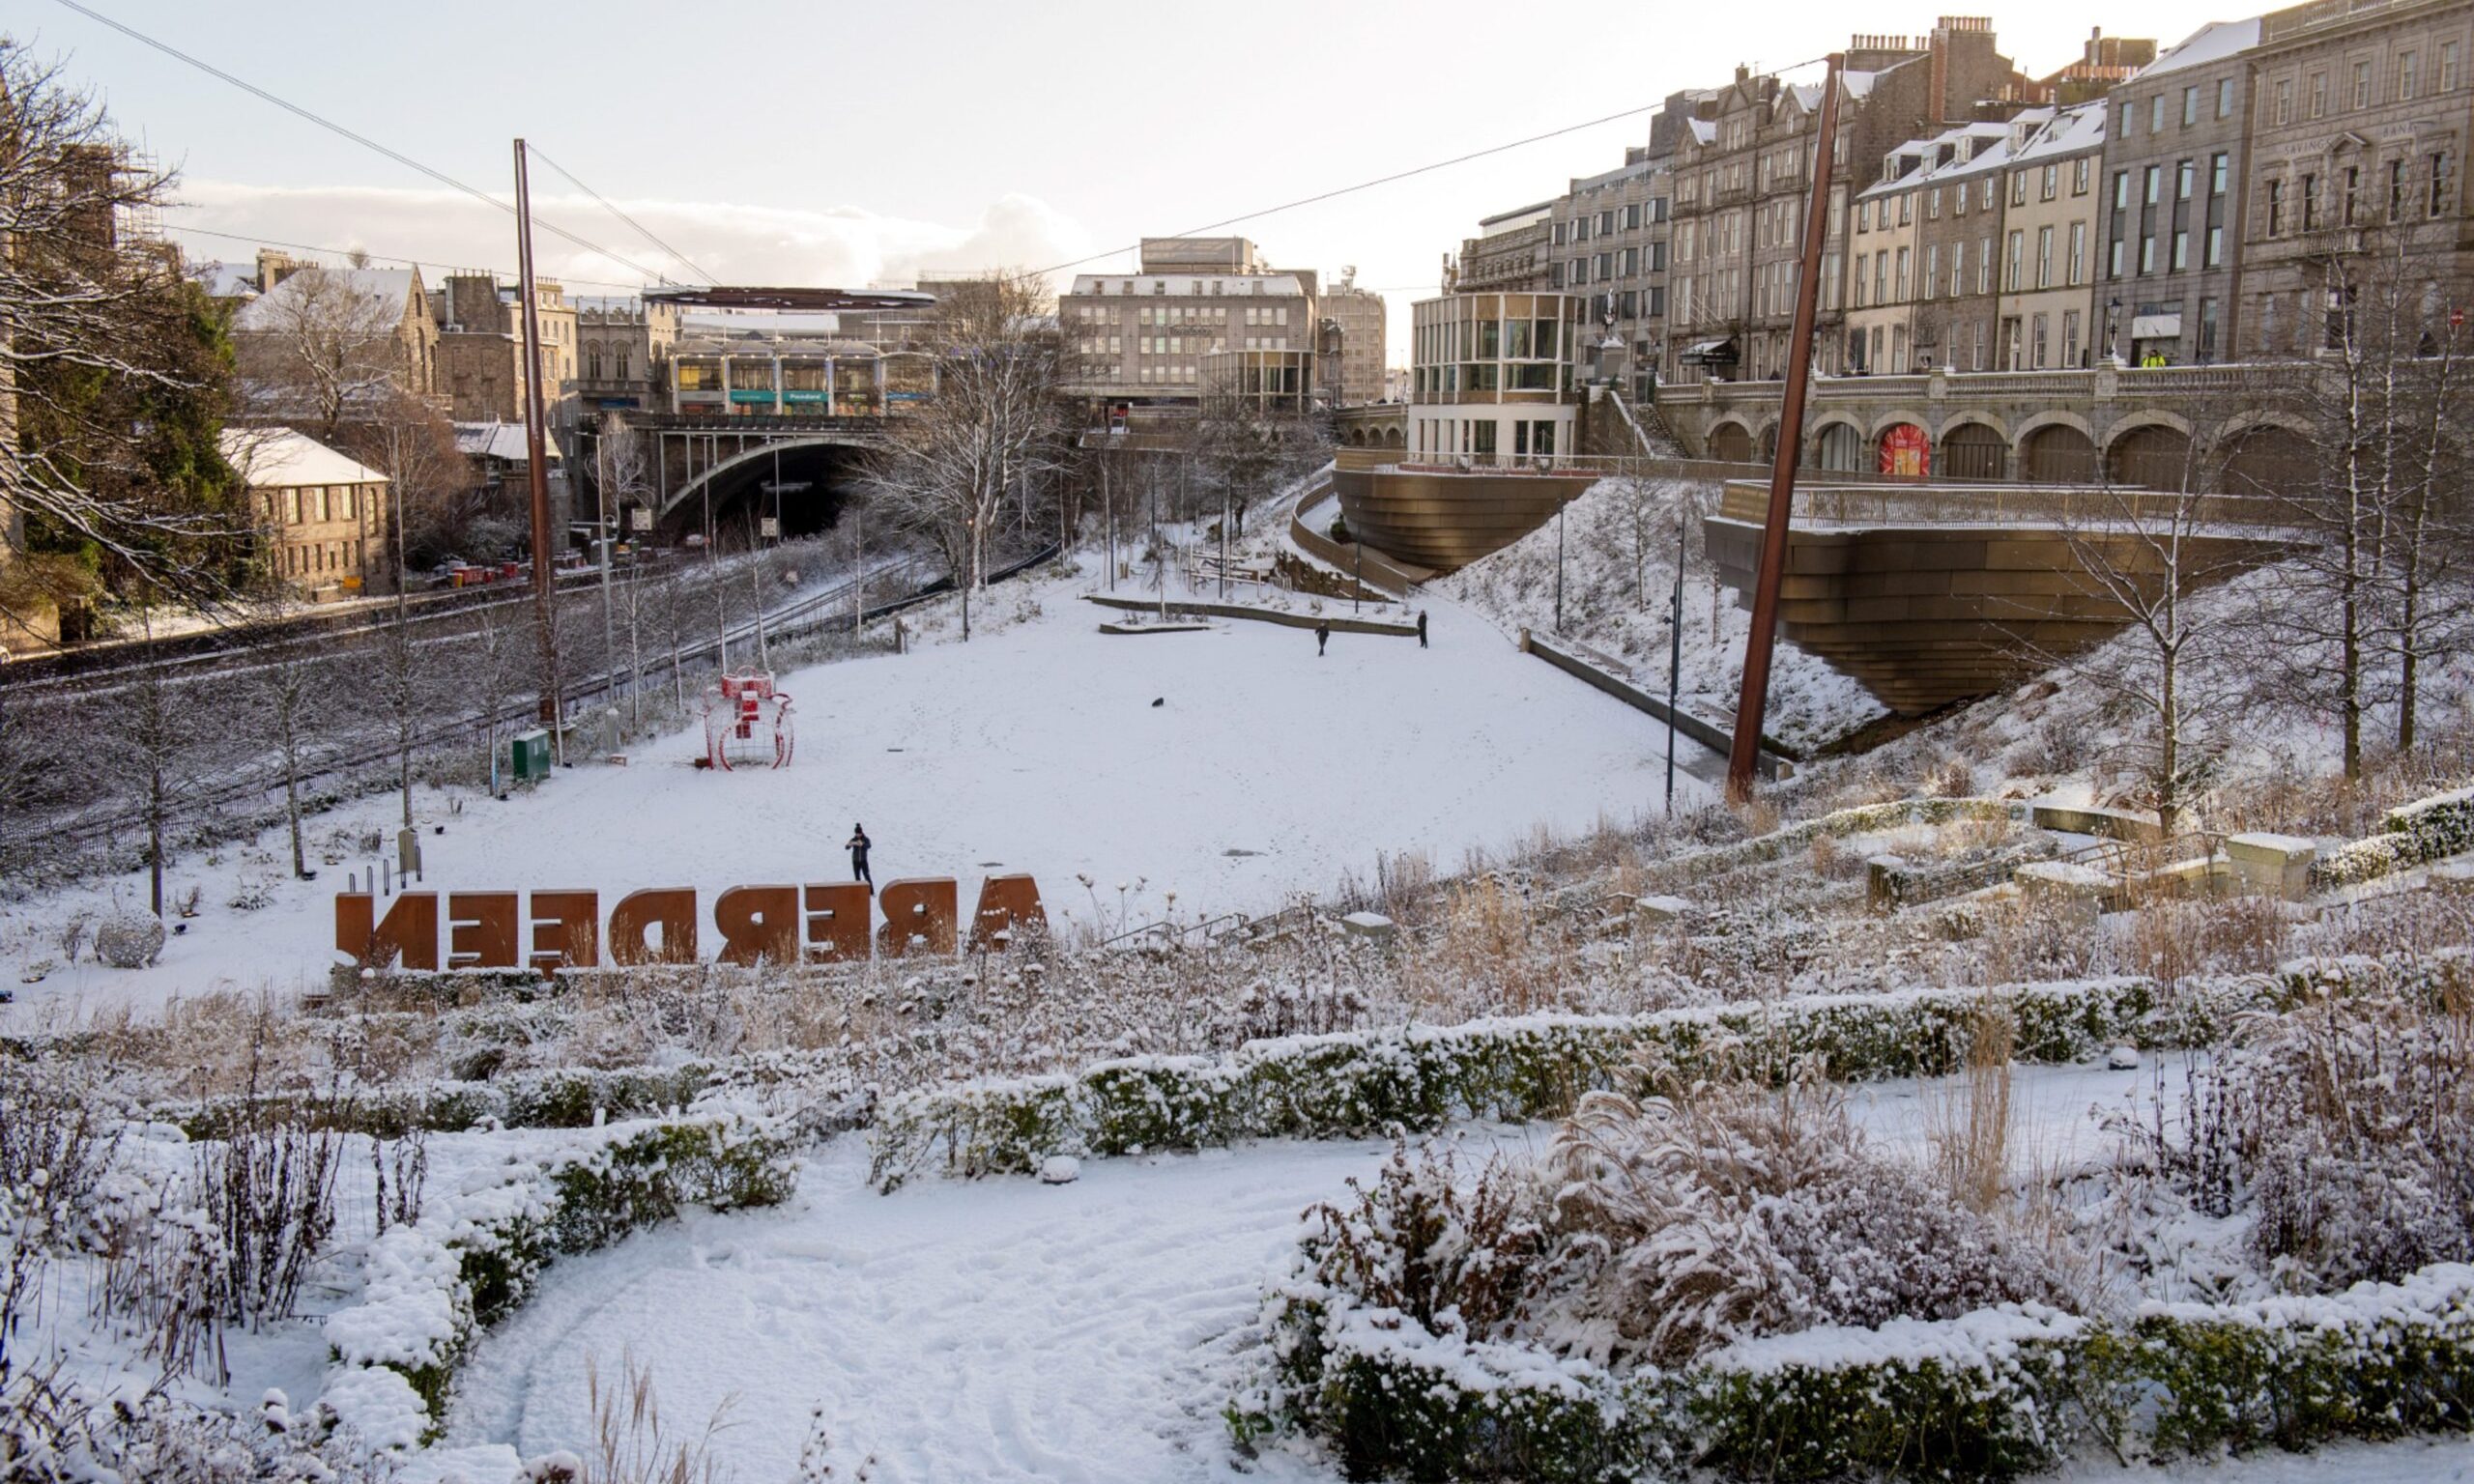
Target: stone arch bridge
(2211, 428)
(722, 472)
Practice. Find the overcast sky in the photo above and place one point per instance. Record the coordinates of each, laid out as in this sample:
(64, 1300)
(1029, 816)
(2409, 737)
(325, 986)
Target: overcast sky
(842, 144)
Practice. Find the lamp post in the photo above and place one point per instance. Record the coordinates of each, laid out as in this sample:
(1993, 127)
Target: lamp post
(2113, 331)
(1559, 565)
(1674, 655)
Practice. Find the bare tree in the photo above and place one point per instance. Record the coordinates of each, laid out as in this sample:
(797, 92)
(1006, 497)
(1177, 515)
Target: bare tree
(109, 382)
(2379, 488)
(319, 346)
(291, 682)
(397, 676)
(994, 432)
(2142, 558)
(157, 732)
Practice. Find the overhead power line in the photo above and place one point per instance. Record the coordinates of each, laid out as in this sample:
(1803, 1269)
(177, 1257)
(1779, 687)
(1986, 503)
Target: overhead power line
(1382, 180)
(571, 176)
(392, 257)
(331, 126)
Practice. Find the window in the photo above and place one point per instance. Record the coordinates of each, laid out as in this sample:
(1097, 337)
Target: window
(2310, 203)
(1987, 202)
(1957, 270)
(2019, 187)
(2405, 74)
(1906, 208)
(2078, 250)
(2122, 190)
(1604, 267)
(1933, 205)
(2318, 95)
(2041, 322)
(1959, 202)
(1881, 277)
(2225, 97)
(1605, 223)
(2130, 120)
(2079, 177)
(2207, 329)
(2448, 66)
(1930, 284)
(2156, 114)
(2362, 85)
(2276, 208)
(2051, 183)
(2189, 105)
(2216, 247)
(2044, 257)
(1632, 218)
(2439, 182)
(2018, 251)
(2217, 171)
(2182, 250)
(1984, 266)
(1558, 234)
(2155, 174)
(1627, 262)
(2070, 338)
(2182, 180)
(2114, 264)
(1580, 229)
(2285, 100)
(2147, 253)
(1902, 272)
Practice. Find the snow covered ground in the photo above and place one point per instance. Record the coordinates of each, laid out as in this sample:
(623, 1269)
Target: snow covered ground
(1009, 1330)
(1262, 772)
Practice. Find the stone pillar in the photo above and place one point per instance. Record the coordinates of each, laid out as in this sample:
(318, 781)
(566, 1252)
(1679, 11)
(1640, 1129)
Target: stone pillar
(2075, 892)
(2272, 865)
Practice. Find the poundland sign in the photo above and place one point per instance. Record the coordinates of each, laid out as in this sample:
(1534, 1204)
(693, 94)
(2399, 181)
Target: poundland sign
(556, 929)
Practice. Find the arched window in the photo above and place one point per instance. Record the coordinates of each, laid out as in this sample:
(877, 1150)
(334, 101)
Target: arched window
(593, 361)
(622, 363)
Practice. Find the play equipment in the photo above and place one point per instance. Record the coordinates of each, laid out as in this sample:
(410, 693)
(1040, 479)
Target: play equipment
(742, 715)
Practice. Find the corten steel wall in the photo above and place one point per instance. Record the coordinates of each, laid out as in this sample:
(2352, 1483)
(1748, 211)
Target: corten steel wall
(1446, 521)
(1929, 606)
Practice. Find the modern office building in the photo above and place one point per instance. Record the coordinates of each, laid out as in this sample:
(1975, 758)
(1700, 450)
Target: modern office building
(1143, 336)
(1492, 379)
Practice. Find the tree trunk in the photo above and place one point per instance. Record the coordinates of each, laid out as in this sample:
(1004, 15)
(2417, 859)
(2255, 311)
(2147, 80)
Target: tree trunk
(292, 808)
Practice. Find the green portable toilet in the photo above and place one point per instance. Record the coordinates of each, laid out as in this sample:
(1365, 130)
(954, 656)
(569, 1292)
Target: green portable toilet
(527, 760)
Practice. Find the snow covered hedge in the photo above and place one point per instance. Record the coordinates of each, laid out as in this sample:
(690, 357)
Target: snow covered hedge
(1992, 1395)
(547, 1098)
(2415, 833)
(1864, 819)
(1529, 1067)
(475, 1255)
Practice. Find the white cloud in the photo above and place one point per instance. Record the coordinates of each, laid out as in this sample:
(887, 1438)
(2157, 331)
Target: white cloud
(837, 246)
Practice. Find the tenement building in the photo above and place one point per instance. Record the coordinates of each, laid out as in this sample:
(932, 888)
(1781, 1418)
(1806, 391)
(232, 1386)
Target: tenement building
(481, 347)
(2174, 168)
(622, 353)
(2359, 115)
(1742, 174)
(1608, 238)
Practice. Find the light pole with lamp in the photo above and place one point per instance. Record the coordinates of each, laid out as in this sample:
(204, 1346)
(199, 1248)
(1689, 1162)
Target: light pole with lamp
(2113, 331)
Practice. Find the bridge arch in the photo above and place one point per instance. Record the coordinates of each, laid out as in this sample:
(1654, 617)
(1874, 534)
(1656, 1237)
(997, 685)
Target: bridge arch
(1730, 442)
(809, 458)
(2153, 451)
(2057, 448)
(1839, 443)
(1972, 447)
(2260, 453)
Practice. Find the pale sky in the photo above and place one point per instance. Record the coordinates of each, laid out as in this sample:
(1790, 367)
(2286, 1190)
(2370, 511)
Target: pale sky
(843, 144)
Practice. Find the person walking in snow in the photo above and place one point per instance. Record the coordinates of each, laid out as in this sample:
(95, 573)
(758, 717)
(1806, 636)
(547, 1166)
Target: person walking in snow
(1422, 628)
(1322, 637)
(858, 848)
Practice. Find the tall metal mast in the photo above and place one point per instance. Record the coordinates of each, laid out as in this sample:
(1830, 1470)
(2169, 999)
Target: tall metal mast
(1755, 698)
(535, 454)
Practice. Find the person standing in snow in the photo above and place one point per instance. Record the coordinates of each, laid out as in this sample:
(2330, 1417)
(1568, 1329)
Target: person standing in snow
(1322, 637)
(858, 848)
(1422, 628)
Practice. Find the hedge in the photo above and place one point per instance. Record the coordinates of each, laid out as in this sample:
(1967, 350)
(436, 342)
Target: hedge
(1991, 1395)
(1864, 819)
(2415, 833)
(475, 1258)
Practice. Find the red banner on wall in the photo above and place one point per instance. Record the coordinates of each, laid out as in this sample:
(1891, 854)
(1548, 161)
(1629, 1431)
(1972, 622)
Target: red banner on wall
(1906, 451)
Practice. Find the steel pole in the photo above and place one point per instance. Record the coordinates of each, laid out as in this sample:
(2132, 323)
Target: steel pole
(535, 454)
(1754, 699)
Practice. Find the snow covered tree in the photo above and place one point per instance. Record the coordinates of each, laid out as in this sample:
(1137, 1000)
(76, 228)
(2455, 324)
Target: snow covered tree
(321, 346)
(290, 683)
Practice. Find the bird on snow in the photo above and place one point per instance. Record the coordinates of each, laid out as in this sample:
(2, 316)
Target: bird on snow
(1160, 700)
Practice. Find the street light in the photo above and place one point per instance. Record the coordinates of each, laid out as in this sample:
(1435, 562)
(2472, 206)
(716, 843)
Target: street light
(2113, 331)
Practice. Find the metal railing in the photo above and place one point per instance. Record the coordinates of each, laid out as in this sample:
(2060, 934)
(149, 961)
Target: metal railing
(2000, 504)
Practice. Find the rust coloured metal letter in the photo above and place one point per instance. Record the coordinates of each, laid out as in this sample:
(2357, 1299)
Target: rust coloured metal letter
(566, 930)
(759, 923)
(673, 909)
(836, 922)
(919, 917)
(1005, 902)
(480, 929)
(408, 937)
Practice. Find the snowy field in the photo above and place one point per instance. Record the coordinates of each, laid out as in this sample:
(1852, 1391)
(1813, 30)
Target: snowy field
(1263, 772)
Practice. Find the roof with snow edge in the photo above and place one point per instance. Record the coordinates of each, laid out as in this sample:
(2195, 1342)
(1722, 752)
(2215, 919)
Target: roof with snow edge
(2214, 42)
(280, 458)
(391, 286)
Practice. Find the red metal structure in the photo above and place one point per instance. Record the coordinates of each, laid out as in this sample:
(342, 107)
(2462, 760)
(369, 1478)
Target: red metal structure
(745, 717)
